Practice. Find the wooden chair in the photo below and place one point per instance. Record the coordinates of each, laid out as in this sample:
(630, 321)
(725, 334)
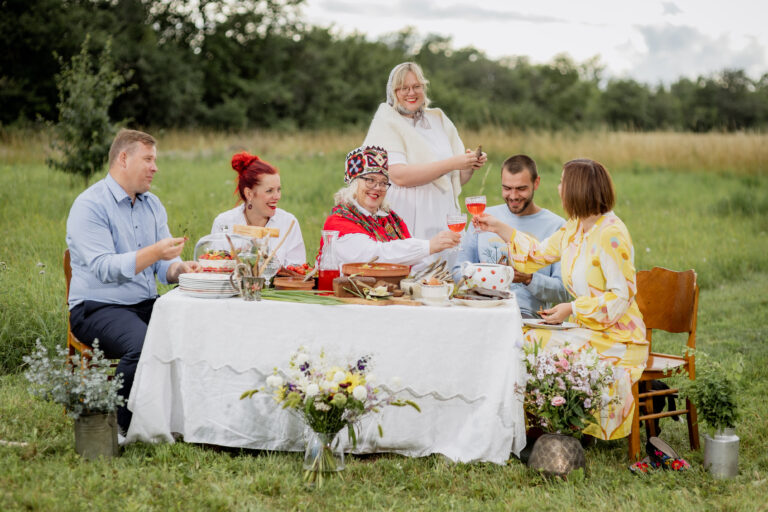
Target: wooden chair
(73, 344)
(669, 301)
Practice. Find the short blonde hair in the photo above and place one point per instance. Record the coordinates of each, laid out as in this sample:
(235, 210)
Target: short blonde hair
(125, 139)
(398, 80)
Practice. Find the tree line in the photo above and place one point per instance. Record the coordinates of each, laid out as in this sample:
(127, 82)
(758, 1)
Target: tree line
(237, 64)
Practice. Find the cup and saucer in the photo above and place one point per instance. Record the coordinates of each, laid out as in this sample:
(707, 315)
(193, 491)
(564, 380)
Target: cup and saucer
(436, 295)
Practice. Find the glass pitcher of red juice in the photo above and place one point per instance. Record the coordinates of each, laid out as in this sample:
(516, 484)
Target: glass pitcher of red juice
(328, 266)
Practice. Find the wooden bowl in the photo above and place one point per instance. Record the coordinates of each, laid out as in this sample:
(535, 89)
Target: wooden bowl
(292, 283)
(389, 272)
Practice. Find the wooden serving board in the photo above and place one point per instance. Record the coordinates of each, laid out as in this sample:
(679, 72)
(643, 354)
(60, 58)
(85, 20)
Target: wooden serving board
(392, 301)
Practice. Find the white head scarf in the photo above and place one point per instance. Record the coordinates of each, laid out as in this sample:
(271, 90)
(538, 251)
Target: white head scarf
(418, 116)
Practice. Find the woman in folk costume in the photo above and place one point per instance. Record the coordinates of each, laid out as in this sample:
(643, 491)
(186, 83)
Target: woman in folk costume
(367, 226)
(427, 160)
(597, 262)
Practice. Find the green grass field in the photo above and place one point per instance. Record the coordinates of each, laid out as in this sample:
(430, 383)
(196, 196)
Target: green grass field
(683, 211)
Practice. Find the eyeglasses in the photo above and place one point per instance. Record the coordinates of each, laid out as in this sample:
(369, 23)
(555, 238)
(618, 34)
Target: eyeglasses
(372, 183)
(414, 88)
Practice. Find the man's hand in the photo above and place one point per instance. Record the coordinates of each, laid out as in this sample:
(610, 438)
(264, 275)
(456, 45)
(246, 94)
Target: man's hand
(181, 267)
(522, 277)
(557, 314)
(169, 248)
(165, 249)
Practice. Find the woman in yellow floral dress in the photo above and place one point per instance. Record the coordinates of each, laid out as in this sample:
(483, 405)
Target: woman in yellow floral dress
(597, 261)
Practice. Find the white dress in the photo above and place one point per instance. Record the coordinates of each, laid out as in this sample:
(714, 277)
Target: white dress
(424, 208)
(292, 252)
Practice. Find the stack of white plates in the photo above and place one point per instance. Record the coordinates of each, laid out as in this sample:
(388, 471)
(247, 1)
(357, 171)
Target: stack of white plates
(206, 285)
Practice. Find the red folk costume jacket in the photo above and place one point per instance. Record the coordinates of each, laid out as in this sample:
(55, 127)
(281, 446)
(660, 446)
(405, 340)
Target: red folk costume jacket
(347, 220)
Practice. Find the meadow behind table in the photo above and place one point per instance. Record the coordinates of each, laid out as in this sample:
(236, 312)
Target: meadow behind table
(459, 364)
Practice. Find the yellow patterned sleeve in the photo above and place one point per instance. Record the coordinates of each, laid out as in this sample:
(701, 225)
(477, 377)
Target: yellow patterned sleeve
(529, 255)
(612, 293)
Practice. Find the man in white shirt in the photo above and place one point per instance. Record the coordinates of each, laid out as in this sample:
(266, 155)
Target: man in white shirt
(519, 182)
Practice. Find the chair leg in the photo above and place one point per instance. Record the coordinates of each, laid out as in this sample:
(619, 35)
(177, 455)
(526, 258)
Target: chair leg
(650, 425)
(634, 436)
(693, 425)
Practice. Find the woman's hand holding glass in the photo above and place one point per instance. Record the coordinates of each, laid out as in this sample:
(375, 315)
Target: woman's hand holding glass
(486, 222)
(456, 223)
(444, 240)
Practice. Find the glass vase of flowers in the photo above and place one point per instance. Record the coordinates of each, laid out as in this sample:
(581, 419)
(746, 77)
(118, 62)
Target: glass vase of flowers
(82, 384)
(565, 389)
(329, 396)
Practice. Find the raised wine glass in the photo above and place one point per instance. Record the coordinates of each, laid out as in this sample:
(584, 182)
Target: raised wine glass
(475, 204)
(456, 223)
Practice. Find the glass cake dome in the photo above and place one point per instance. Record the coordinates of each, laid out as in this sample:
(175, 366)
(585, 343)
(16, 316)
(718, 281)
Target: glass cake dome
(214, 251)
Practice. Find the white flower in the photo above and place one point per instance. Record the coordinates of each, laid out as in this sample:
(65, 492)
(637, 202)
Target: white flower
(301, 358)
(274, 381)
(321, 406)
(338, 376)
(313, 389)
(371, 379)
(360, 393)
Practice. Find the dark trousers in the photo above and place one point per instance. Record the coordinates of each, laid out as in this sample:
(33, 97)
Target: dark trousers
(120, 330)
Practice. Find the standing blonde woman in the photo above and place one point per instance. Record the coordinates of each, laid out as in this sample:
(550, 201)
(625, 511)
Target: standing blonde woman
(597, 264)
(428, 163)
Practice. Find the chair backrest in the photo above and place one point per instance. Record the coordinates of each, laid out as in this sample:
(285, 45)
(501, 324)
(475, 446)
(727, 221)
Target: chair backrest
(67, 270)
(669, 301)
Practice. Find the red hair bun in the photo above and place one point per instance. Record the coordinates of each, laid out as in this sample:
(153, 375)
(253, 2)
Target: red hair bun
(241, 161)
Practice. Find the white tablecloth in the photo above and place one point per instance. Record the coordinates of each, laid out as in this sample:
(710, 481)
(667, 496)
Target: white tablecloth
(459, 364)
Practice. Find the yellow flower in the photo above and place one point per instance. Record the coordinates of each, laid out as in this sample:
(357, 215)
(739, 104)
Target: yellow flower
(354, 380)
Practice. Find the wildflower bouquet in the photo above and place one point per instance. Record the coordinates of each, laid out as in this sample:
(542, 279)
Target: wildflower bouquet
(81, 385)
(329, 396)
(565, 388)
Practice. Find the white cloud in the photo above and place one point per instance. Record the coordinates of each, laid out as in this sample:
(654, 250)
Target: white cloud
(648, 40)
(670, 8)
(673, 51)
(431, 10)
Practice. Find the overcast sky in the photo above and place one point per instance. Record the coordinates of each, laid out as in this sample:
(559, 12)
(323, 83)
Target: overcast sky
(649, 41)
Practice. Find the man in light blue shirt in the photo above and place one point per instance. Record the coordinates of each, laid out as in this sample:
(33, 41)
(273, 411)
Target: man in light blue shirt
(118, 238)
(519, 181)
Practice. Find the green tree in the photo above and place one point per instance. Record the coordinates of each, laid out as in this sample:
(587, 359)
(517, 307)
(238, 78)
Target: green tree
(84, 131)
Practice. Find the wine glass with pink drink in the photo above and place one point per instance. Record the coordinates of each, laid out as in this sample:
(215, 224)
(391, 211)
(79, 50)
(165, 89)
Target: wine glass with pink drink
(456, 223)
(475, 204)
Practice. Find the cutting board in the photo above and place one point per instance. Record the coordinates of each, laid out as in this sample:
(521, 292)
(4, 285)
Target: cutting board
(392, 301)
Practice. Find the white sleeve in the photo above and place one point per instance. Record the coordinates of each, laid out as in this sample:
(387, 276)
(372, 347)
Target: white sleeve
(296, 253)
(356, 248)
(217, 225)
(396, 158)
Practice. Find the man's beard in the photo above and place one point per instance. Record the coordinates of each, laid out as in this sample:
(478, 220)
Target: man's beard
(522, 207)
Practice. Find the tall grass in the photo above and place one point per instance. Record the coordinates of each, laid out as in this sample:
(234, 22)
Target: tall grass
(742, 153)
(679, 217)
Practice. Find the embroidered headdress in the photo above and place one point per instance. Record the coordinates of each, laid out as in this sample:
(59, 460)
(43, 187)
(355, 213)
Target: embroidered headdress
(366, 160)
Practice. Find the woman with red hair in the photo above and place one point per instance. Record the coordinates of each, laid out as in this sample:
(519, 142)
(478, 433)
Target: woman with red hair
(258, 184)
